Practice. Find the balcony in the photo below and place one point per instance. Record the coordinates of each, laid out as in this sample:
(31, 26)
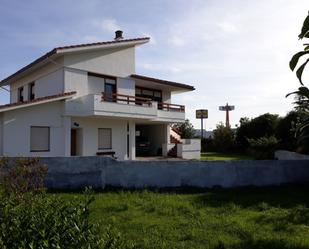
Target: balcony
(124, 106)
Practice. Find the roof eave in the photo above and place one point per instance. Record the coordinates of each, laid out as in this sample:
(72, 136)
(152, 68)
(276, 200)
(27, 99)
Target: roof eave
(164, 82)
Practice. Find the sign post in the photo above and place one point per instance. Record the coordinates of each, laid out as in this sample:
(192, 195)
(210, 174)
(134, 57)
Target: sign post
(202, 113)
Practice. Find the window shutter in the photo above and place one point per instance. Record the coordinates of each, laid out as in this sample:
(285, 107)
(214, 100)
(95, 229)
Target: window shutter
(105, 138)
(39, 138)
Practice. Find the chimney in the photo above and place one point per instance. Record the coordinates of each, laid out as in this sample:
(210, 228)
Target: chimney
(118, 35)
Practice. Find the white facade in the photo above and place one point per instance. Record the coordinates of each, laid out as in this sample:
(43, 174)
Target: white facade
(69, 97)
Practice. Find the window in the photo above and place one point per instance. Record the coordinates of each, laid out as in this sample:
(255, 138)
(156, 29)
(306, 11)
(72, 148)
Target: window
(31, 91)
(153, 94)
(39, 138)
(20, 92)
(104, 138)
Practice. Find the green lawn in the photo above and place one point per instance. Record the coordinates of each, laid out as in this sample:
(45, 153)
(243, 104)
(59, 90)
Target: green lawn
(247, 218)
(223, 156)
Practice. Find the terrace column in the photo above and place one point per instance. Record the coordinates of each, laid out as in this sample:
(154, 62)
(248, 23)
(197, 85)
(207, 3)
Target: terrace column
(131, 133)
(66, 122)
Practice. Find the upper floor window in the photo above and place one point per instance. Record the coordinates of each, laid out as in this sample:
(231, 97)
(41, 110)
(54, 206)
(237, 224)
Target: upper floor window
(31, 91)
(153, 94)
(20, 93)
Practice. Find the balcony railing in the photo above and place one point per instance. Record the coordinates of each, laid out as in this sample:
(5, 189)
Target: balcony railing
(171, 107)
(128, 99)
(121, 98)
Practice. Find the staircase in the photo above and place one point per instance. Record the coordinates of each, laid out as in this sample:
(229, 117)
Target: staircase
(173, 151)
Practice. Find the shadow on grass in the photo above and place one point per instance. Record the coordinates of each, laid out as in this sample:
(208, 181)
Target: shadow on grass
(284, 196)
(259, 198)
(266, 244)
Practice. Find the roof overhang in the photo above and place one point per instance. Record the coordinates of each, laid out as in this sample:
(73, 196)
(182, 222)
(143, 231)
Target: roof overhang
(172, 86)
(38, 101)
(59, 51)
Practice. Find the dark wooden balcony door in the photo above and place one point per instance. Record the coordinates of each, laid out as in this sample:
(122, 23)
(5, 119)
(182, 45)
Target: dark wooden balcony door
(109, 90)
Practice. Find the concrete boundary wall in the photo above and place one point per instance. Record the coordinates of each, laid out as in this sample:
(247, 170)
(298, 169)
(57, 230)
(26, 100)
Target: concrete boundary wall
(99, 172)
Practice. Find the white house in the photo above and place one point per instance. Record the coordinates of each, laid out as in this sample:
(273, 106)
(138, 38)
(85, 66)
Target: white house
(87, 100)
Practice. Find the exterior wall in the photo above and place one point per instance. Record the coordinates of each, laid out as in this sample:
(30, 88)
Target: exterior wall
(95, 85)
(50, 84)
(16, 129)
(189, 149)
(89, 129)
(78, 172)
(76, 80)
(34, 76)
(118, 62)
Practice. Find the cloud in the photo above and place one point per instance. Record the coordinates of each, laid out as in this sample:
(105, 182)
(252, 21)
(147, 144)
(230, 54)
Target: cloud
(228, 27)
(177, 41)
(109, 25)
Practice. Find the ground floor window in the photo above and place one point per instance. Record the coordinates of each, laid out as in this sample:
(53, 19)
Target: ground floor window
(104, 138)
(39, 138)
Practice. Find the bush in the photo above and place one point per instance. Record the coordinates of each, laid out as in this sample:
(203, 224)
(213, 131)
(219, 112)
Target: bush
(32, 219)
(207, 144)
(27, 175)
(224, 138)
(263, 148)
(41, 221)
(261, 126)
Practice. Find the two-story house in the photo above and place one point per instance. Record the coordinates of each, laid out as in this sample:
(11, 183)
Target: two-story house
(87, 100)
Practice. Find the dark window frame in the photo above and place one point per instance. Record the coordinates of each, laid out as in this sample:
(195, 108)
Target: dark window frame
(20, 94)
(111, 138)
(153, 97)
(36, 126)
(31, 94)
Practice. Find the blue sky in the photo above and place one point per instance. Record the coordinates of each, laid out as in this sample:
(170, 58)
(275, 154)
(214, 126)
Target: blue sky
(231, 51)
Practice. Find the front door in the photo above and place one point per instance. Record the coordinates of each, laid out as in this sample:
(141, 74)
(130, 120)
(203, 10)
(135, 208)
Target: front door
(109, 91)
(73, 142)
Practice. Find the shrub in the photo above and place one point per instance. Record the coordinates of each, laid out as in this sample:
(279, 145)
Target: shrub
(264, 147)
(26, 175)
(224, 138)
(41, 221)
(261, 126)
(32, 219)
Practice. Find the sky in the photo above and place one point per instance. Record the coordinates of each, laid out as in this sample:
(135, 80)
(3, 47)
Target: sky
(232, 51)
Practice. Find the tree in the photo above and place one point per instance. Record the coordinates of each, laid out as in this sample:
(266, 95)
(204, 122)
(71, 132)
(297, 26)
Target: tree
(261, 126)
(224, 138)
(186, 129)
(285, 130)
(302, 94)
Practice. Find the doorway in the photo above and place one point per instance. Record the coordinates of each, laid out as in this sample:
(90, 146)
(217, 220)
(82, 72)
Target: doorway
(76, 142)
(110, 90)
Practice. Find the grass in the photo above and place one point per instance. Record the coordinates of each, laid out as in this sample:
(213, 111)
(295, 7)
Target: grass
(223, 156)
(276, 217)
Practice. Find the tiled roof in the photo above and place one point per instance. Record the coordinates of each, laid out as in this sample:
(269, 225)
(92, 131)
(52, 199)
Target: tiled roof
(165, 82)
(55, 50)
(37, 100)
(103, 43)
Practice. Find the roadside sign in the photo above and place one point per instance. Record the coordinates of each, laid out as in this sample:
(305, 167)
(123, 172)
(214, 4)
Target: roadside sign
(202, 113)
